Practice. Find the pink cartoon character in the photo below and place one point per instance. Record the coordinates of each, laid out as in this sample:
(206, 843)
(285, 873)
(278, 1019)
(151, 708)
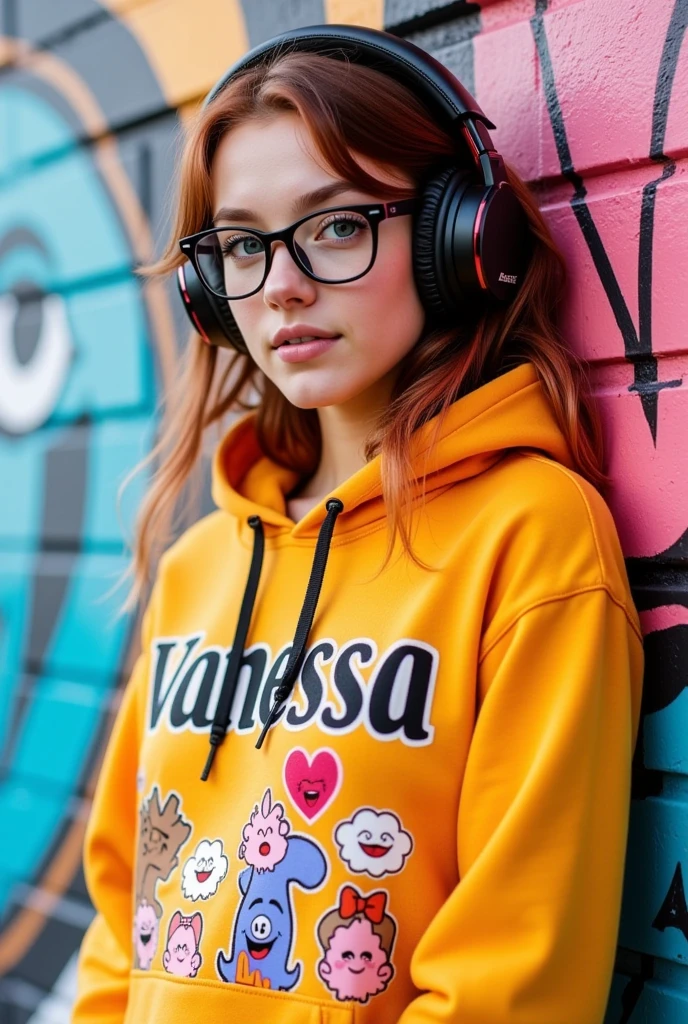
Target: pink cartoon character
(146, 932)
(357, 939)
(265, 836)
(182, 955)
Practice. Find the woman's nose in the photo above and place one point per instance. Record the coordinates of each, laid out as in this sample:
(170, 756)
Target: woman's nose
(286, 284)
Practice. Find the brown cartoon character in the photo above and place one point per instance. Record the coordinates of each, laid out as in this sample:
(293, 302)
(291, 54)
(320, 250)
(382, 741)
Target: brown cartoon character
(357, 939)
(163, 831)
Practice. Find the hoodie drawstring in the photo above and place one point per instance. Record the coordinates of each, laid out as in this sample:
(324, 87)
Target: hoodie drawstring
(218, 729)
(322, 548)
(303, 626)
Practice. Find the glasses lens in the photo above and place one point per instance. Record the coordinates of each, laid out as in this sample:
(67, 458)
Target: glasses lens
(231, 262)
(335, 246)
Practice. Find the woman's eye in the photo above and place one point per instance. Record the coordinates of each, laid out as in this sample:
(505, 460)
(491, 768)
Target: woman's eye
(367, 957)
(347, 955)
(241, 246)
(342, 227)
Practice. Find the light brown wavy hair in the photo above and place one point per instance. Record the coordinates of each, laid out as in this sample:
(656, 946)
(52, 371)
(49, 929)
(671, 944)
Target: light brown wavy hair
(349, 110)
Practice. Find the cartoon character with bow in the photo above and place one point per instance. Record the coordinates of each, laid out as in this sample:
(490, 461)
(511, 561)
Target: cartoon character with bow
(357, 939)
(183, 955)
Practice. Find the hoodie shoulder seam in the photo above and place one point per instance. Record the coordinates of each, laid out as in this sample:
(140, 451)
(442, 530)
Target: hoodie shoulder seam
(591, 519)
(553, 599)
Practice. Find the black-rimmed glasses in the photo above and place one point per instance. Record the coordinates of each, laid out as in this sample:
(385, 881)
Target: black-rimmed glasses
(332, 246)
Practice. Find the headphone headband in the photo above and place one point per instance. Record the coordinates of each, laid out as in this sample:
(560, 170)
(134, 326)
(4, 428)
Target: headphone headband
(445, 96)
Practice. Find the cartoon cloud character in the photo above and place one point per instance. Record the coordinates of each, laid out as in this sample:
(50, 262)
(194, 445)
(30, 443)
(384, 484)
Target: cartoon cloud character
(357, 939)
(202, 873)
(263, 931)
(182, 955)
(373, 842)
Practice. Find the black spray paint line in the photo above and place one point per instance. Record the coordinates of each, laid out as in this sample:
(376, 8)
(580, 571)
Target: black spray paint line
(637, 345)
(661, 579)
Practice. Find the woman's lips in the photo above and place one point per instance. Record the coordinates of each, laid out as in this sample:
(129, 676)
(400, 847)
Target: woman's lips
(304, 350)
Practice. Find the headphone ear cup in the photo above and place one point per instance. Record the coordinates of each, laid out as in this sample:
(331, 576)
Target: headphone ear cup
(209, 315)
(506, 243)
(436, 293)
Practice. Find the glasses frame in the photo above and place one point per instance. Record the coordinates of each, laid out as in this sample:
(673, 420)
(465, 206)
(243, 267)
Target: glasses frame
(374, 213)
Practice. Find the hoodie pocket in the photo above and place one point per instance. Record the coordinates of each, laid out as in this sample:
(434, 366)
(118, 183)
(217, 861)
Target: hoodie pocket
(160, 998)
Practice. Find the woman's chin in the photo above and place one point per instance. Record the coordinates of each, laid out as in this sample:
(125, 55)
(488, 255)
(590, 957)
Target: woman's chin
(318, 394)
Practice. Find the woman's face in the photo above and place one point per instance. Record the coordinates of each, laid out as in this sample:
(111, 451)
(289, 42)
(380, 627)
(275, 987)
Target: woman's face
(265, 168)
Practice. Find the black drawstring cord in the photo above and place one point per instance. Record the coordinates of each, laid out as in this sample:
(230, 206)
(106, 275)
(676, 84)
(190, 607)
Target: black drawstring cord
(224, 705)
(322, 548)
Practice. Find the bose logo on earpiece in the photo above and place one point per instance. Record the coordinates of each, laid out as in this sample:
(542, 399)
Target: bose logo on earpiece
(508, 278)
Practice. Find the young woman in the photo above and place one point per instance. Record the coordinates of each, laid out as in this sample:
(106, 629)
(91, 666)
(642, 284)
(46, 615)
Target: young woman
(373, 763)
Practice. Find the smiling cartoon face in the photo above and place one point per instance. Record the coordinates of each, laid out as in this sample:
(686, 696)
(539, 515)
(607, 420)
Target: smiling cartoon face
(373, 842)
(145, 935)
(264, 929)
(355, 966)
(182, 956)
(203, 872)
(312, 791)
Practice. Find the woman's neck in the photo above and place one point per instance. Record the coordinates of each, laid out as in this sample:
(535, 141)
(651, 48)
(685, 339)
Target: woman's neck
(344, 430)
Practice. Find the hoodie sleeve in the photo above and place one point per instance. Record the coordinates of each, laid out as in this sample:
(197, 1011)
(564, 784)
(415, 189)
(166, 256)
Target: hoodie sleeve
(106, 956)
(528, 936)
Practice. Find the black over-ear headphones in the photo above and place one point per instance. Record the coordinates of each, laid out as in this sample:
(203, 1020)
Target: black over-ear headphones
(471, 238)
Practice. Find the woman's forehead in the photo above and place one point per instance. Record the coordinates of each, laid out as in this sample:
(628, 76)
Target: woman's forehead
(265, 167)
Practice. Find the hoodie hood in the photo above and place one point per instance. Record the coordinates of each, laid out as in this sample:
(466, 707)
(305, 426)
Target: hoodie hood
(509, 412)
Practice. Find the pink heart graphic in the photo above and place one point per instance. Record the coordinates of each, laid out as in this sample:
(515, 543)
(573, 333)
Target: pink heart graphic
(313, 784)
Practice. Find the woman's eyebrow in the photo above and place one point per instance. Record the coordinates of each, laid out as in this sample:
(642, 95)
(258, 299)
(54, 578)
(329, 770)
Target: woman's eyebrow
(300, 206)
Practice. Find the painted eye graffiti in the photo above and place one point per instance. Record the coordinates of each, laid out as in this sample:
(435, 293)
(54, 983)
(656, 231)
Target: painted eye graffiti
(78, 390)
(35, 356)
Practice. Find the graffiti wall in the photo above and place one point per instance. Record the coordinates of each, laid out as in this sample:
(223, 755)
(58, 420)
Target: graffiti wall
(590, 102)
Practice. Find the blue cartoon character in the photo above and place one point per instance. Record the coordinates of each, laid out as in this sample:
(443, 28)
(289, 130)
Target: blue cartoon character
(263, 932)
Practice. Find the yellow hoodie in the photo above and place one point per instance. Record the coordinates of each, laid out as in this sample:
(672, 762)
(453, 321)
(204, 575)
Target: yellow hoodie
(433, 828)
